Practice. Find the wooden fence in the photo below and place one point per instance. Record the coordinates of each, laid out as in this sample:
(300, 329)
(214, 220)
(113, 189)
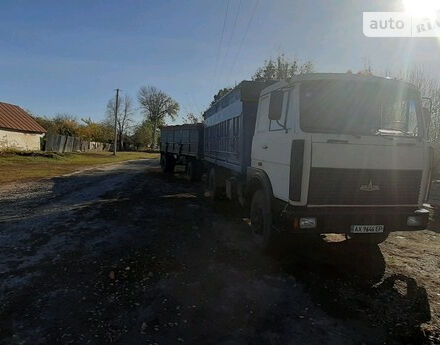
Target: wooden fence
(62, 143)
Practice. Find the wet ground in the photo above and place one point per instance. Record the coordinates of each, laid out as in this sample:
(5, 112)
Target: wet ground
(123, 254)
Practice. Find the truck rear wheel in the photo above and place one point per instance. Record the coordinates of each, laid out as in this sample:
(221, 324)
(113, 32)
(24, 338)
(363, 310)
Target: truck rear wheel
(261, 219)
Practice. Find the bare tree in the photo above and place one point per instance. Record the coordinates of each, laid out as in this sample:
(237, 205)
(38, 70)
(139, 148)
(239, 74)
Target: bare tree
(191, 118)
(110, 110)
(65, 124)
(156, 105)
(220, 94)
(428, 88)
(125, 116)
(282, 68)
(124, 120)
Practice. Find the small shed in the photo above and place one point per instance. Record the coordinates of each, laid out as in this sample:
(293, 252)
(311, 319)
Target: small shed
(18, 130)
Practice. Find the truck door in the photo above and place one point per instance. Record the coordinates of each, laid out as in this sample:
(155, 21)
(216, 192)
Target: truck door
(272, 140)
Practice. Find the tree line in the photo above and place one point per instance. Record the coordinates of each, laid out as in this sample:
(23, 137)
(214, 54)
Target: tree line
(154, 104)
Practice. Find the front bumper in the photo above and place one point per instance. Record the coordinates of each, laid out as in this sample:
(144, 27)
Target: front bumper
(340, 220)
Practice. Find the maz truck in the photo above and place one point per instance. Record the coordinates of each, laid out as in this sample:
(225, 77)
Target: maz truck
(319, 153)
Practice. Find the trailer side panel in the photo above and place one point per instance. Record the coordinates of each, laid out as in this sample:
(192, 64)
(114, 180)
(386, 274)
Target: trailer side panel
(182, 140)
(230, 125)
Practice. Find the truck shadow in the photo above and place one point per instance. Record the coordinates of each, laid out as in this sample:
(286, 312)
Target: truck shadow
(341, 260)
(349, 282)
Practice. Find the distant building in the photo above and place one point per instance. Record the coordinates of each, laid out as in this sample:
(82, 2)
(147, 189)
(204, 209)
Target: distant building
(18, 129)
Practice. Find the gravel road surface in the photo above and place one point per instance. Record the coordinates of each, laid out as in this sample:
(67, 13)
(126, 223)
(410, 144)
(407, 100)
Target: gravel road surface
(123, 254)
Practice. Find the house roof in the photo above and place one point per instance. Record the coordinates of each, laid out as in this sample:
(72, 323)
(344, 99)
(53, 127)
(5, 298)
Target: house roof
(12, 117)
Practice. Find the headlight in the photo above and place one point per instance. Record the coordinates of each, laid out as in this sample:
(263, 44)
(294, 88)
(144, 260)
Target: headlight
(307, 223)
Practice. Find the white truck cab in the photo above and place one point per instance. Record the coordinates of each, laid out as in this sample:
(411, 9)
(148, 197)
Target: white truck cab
(345, 153)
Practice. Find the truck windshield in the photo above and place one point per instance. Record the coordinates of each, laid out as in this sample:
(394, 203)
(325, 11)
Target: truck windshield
(359, 107)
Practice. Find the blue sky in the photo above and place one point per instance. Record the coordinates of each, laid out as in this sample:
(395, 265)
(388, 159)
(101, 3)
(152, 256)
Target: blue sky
(69, 56)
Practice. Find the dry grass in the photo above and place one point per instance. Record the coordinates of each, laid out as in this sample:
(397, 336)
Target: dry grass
(15, 167)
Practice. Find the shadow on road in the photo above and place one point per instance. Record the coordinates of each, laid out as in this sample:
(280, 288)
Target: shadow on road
(52, 197)
(348, 282)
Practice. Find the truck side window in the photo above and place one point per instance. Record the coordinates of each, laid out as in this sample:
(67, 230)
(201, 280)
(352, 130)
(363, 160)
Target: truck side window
(263, 114)
(412, 118)
(281, 124)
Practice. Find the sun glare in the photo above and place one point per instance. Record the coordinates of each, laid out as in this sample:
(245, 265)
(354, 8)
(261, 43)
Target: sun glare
(421, 7)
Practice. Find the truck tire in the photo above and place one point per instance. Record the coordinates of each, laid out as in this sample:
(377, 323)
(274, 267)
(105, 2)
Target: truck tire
(261, 219)
(167, 163)
(367, 239)
(193, 171)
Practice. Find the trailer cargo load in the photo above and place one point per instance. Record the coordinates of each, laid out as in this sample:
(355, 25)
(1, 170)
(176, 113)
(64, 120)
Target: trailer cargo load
(230, 125)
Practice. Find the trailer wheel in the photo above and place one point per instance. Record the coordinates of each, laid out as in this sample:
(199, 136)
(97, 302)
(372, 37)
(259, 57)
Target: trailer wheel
(167, 163)
(194, 171)
(261, 219)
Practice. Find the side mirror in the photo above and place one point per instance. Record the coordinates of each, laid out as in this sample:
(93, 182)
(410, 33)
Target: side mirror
(276, 105)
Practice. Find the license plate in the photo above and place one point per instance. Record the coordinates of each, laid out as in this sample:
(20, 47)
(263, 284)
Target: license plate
(367, 229)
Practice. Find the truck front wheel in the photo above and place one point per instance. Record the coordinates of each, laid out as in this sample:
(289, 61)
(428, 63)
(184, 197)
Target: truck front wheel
(261, 219)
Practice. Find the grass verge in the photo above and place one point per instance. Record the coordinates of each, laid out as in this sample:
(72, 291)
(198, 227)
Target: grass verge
(16, 167)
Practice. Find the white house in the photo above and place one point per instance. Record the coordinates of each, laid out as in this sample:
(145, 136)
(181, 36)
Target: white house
(18, 129)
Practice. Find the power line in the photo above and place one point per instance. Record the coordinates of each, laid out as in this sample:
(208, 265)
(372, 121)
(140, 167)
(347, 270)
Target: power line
(221, 42)
(245, 34)
(228, 45)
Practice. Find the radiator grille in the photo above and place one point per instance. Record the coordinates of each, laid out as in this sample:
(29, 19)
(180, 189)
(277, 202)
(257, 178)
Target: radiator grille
(330, 186)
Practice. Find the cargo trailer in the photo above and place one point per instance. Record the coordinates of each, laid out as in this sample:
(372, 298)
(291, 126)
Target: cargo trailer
(182, 144)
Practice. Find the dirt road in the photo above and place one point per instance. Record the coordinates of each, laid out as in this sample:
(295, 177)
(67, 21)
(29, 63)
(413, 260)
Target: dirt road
(124, 254)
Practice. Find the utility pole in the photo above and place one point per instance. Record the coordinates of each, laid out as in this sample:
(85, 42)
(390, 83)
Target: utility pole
(116, 122)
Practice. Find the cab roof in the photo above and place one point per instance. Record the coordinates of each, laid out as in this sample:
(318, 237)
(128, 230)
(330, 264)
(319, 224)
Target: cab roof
(334, 76)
